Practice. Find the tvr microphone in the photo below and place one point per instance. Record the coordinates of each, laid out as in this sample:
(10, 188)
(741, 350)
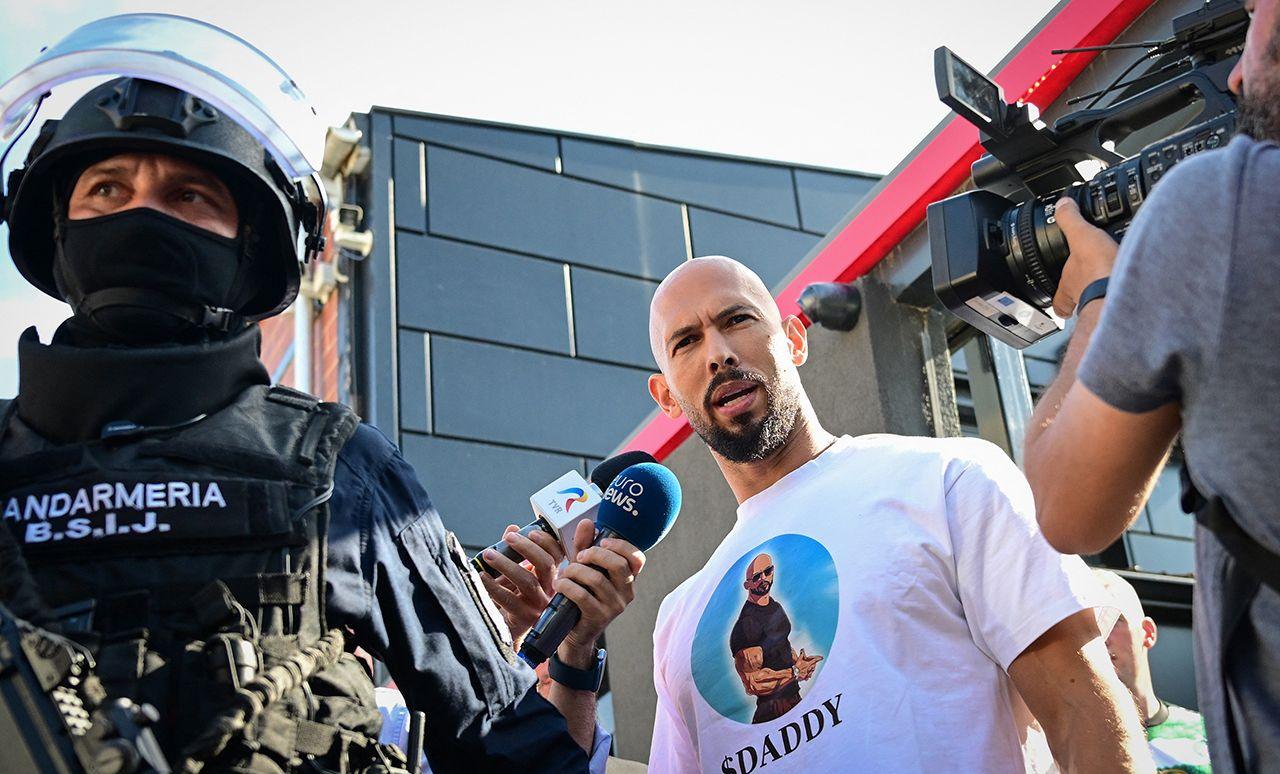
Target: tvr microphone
(560, 505)
(640, 506)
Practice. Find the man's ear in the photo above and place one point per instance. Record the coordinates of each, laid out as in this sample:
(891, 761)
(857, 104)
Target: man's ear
(1149, 632)
(797, 339)
(662, 396)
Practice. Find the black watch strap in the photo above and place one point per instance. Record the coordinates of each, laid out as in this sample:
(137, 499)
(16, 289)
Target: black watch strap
(578, 679)
(1093, 291)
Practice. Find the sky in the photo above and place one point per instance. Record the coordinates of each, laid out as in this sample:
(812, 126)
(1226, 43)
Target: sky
(846, 84)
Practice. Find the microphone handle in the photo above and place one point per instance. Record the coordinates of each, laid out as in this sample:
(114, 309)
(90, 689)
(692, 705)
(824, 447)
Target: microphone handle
(508, 550)
(552, 627)
(555, 623)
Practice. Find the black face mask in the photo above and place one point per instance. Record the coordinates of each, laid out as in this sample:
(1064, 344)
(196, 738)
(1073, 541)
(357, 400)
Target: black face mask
(143, 277)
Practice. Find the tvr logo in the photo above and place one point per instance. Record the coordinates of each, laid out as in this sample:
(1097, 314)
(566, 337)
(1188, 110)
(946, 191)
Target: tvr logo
(576, 495)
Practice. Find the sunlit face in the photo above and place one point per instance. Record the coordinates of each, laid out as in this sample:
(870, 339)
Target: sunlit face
(174, 186)
(728, 360)
(760, 574)
(1125, 647)
(1256, 77)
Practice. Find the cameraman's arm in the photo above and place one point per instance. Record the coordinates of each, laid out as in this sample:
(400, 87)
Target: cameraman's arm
(1090, 465)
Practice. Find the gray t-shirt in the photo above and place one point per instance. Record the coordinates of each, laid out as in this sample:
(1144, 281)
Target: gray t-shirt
(1193, 315)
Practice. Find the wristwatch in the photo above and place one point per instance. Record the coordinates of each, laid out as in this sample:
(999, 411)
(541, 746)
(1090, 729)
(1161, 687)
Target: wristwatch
(578, 679)
(1094, 290)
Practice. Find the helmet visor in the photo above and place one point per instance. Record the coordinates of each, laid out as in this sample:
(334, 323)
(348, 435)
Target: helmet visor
(199, 58)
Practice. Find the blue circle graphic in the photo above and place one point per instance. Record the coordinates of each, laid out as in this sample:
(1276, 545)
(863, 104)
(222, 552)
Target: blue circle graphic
(806, 587)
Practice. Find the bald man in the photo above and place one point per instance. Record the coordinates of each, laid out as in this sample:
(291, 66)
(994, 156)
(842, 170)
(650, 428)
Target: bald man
(1176, 735)
(760, 643)
(944, 618)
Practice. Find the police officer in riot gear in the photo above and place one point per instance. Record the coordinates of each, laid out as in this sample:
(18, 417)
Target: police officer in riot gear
(217, 543)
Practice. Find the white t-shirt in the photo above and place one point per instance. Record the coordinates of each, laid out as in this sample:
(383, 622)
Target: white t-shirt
(914, 568)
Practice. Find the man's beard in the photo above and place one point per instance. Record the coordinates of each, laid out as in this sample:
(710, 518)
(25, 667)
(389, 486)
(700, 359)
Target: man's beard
(1258, 115)
(749, 441)
(762, 588)
(1258, 112)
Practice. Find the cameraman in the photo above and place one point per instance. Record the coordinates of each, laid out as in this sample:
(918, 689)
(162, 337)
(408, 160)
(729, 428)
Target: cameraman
(1184, 342)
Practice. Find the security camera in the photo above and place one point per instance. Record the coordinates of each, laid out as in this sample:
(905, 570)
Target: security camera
(358, 243)
(833, 305)
(340, 142)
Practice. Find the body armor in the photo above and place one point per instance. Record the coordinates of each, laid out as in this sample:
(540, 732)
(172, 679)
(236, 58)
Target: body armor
(189, 560)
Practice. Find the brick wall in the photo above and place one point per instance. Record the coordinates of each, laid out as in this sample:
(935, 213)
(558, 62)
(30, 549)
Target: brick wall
(277, 345)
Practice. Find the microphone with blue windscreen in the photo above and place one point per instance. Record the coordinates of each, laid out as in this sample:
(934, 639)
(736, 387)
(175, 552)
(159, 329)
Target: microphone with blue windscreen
(639, 507)
(560, 505)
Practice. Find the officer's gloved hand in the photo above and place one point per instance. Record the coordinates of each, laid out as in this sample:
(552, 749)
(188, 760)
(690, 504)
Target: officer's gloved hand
(523, 590)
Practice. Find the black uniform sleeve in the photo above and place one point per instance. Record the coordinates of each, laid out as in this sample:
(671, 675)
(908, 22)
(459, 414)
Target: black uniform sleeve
(393, 580)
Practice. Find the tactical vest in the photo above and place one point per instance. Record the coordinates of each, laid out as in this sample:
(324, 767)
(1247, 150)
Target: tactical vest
(190, 560)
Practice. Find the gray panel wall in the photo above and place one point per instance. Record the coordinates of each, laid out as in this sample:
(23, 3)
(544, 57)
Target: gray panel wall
(521, 264)
(506, 306)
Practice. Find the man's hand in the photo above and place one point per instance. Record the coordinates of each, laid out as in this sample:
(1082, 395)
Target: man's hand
(600, 581)
(758, 679)
(601, 592)
(1093, 254)
(806, 664)
(523, 590)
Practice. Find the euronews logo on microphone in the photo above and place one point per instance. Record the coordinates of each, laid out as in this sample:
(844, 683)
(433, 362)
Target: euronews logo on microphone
(623, 492)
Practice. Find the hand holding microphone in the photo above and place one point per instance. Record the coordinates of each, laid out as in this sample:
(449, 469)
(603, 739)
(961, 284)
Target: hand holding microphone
(559, 506)
(522, 589)
(637, 511)
(600, 581)
(518, 570)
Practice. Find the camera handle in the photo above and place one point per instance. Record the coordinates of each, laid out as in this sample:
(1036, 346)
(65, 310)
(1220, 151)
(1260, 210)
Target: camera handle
(1115, 122)
(1080, 136)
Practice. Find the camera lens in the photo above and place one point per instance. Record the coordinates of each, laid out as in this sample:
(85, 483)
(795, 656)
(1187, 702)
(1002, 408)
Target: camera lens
(1037, 248)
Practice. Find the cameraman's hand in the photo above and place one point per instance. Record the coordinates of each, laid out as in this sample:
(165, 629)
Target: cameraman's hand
(523, 590)
(601, 597)
(1093, 254)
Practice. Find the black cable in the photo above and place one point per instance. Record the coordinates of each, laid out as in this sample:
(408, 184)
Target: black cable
(1098, 95)
(1108, 47)
(1103, 92)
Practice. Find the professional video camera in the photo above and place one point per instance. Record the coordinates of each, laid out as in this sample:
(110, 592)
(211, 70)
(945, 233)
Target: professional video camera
(997, 251)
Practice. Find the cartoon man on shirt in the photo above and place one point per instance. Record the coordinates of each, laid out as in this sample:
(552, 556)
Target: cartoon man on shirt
(760, 642)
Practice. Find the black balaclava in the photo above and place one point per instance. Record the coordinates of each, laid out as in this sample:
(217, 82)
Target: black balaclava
(140, 277)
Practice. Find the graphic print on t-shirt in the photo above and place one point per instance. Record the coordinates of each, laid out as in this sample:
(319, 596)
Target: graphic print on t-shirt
(767, 629)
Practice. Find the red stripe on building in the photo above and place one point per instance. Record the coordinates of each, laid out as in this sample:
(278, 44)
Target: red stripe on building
(936, 171)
